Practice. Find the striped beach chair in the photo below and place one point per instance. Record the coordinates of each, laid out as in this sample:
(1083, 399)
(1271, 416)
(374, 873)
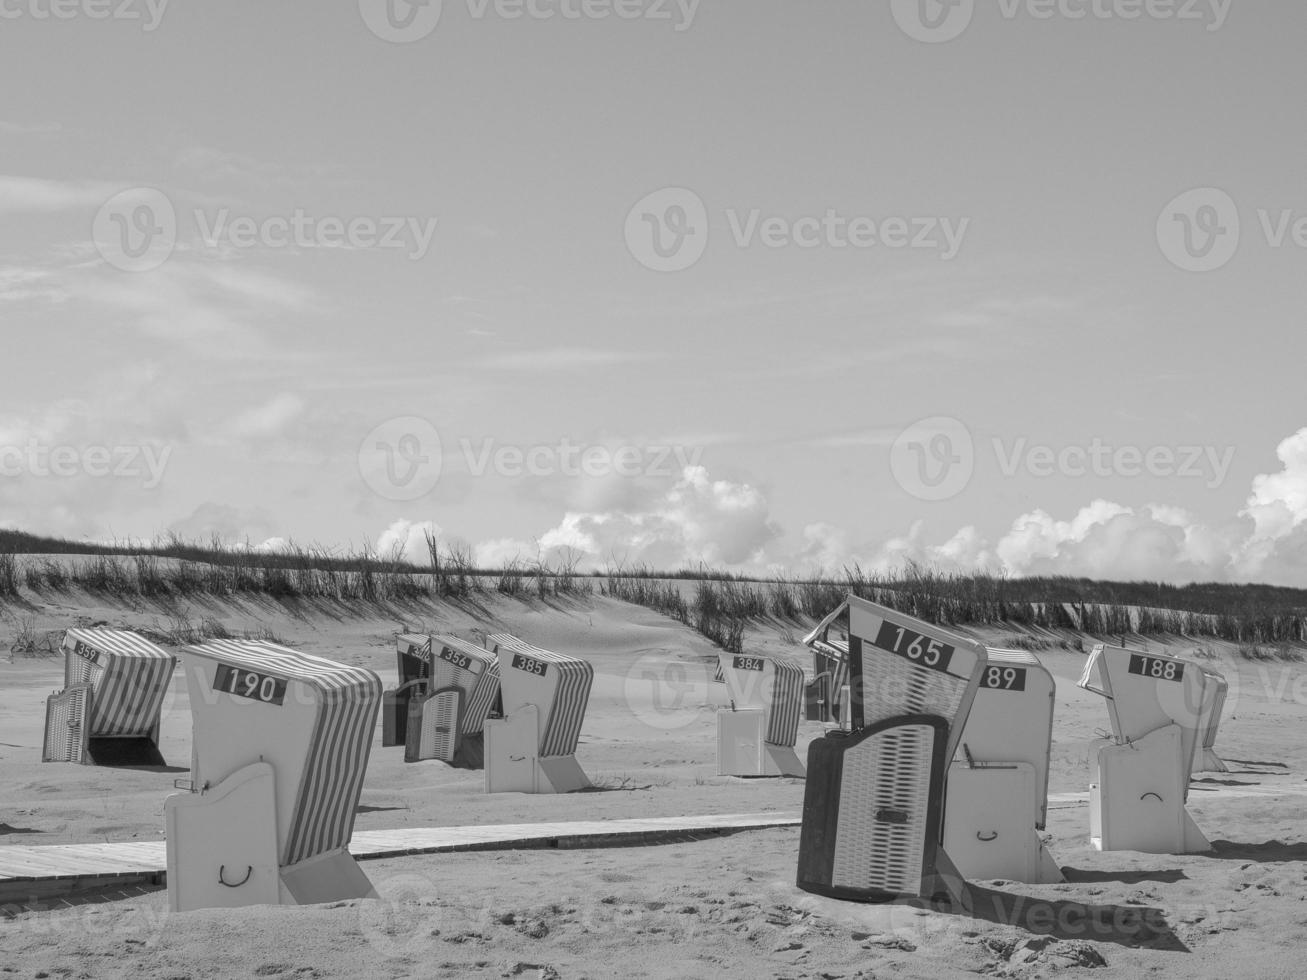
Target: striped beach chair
(756, 735)
(108, 713)
(280, 748)
(532, 749)
(1140, 780)
(998, 786)
(874, 802)
(413, 665)
(447, 719)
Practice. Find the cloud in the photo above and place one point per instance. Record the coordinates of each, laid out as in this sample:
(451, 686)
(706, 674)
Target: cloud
(270, 419)
(562, 359)
(408, 540)
(29, 129)
(35, 194)
(697, 519)
(229, 525)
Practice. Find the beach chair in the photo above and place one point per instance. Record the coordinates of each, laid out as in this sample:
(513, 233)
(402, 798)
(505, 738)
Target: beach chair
(108, 713)
(1209, 720)
(1140, 781)
(824, 694)
(413, 666)
(532, 749)
(874, 803)
(279, 750)
(447, 719)
(757, 733)
(998, 787)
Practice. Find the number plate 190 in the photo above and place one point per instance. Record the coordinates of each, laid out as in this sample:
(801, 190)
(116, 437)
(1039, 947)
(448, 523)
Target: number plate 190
(530, 665)
(250, 684)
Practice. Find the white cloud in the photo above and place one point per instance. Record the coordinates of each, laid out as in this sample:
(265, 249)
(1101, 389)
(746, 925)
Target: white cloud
(35, 194)
(268, 420)
(408, 540)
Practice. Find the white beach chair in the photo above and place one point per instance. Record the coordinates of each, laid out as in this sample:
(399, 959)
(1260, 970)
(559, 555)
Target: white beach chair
(1140, 781)
(447, 721)
(1209, 720)
(757, 733)
(108, 714)
(280, 749)
(532, 749)
(998, 788)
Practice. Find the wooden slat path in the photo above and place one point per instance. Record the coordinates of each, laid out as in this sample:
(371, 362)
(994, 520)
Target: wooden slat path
(107, 863)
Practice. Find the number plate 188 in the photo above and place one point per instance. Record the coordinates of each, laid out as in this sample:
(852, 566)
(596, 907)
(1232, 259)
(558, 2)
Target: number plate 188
(920, 650)
(250, 684)
(1162, 670)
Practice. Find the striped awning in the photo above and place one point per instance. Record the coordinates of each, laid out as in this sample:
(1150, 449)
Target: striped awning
(786, 703)
(129, 677)
(346, 701)
(562, 728)
(478, 679)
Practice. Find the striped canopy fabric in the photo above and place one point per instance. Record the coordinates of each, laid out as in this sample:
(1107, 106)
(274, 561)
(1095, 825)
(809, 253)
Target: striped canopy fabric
(129, 677)
(786, 703)
(479, 682)
(346, 700)
(563, 726)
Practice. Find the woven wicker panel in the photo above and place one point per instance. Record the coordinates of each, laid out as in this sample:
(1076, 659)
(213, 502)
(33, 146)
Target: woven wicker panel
(890, 771)
(893, 686)
(440, 725)
(65, 725)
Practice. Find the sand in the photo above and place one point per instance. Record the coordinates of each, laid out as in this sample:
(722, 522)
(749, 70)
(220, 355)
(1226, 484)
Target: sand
(715, 907)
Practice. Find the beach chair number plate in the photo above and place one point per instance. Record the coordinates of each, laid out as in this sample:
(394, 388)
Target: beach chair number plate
(85, 652)
(1162, 670)
(921, 650)
(459, 660)
(747, 663)
(1003, 678)
(537, 667)
(250, 684)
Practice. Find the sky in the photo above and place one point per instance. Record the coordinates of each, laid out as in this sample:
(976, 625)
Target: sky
(772, 286)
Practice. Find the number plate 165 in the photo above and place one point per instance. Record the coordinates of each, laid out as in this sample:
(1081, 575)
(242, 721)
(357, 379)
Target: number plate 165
(921, 650)
(250, 684)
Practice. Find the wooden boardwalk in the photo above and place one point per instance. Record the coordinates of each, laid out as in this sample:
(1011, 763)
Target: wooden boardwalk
(50, 868)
